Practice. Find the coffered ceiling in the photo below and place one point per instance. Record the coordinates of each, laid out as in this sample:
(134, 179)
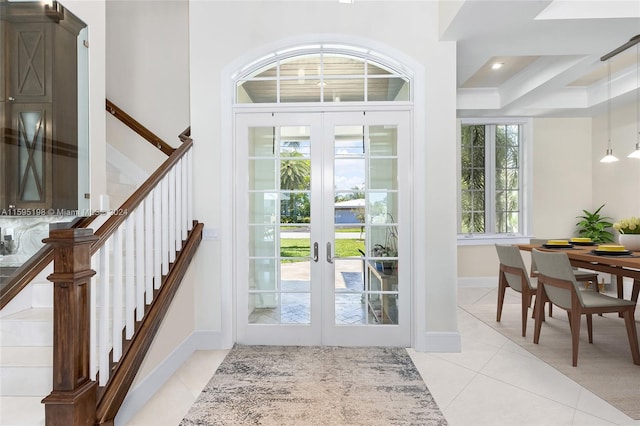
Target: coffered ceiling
(550, 54)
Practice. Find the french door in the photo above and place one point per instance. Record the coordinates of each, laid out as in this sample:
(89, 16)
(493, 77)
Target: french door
(322, 239)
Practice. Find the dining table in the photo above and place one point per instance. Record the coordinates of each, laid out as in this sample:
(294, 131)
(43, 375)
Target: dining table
(584, 257)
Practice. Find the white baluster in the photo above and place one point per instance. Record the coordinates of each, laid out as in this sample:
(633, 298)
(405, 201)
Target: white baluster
(157, 241)
(139, 261)
(130, 288)
(93, 320)
(148, 247)
(178, 222)
(117, 294)
(105, 306)
(165, 225)
(172, 215)
(185, 200)
(190, 189)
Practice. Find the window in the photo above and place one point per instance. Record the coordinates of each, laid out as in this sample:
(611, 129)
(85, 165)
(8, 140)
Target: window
(492, 196)
(322, 74)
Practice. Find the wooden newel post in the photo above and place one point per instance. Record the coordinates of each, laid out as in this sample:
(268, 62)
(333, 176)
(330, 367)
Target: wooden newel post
(73, 398)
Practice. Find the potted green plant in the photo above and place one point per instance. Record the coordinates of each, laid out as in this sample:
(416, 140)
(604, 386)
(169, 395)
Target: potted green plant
(595, 226)
(390, 247)
(629, 230)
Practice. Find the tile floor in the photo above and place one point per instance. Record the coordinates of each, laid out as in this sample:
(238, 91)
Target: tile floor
(293, 304)
(482, 385)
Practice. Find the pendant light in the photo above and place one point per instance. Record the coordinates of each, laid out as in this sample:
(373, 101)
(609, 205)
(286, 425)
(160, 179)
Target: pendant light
(633, 41)
(609, 157)
(636, 153)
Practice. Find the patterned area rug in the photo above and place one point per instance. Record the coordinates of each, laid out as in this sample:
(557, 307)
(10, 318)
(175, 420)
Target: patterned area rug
(291, 385)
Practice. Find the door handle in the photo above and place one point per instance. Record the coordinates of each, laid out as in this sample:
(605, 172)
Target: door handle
(329, 257)
(315, 252)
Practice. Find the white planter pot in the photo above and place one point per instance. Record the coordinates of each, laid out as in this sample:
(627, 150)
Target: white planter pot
(630, 241)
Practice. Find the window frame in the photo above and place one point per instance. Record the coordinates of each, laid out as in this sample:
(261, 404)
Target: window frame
(368, 57)
(525, 153)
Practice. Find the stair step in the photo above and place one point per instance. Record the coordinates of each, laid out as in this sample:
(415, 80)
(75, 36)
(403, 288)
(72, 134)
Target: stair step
(26, 381)
(26, 371)
(31, 327)
(21, 411)
(26, 356)
(42, 294)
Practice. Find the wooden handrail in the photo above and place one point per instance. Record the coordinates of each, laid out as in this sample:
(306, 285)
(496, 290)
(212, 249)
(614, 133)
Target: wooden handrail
(134, 125)
(185, 135)
(36, 263)
(124, 372)
(108, 399)
(30, 269)
(110, 226)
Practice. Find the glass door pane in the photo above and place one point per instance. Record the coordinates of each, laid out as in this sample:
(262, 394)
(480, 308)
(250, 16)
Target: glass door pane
(279, 218)
(319, 242)
(369, 250)
(349, 232)
(365, 230)
(275, 291)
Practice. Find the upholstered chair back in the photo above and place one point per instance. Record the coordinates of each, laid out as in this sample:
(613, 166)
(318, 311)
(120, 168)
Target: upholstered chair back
(509, 255)
(557, 265)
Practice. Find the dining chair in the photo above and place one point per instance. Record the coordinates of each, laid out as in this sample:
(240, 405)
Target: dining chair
(582, 276)
(513, 274)
(557, 284)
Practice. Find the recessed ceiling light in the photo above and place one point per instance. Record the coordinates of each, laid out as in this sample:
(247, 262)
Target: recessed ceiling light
(497, 65)
(345, 1)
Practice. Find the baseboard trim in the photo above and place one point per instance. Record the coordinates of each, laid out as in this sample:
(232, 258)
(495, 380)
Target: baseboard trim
(440, 341)
(142, 393)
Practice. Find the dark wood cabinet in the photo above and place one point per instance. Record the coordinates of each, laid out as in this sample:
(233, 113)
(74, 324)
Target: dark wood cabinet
(39, 112)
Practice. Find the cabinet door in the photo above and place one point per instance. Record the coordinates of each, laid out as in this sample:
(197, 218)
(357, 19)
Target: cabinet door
(28, 157)
(4, 28)
(3, 156)
(30, 64)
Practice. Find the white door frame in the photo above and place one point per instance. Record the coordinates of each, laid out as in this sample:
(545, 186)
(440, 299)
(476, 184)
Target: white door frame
(323, 329)
(422, 339)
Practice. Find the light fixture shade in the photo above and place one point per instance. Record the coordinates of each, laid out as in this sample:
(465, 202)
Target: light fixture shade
(636, 153)
(609, 158)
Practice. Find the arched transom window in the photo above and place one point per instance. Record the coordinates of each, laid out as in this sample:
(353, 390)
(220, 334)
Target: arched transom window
(322, 73)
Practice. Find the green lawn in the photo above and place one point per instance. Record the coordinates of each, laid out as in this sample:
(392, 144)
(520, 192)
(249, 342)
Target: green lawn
(299, 247)
(348, 229)
(289, 228)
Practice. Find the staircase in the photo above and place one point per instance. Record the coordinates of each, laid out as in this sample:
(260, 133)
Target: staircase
(26, 354)
(166, 238)
(123, 176)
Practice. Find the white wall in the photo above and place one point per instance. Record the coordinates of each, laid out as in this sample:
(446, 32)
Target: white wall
(568, 177)
(221, 33)
(616, 184)
(562, 173)
(175, 328)
(561, 182)
(148, 74)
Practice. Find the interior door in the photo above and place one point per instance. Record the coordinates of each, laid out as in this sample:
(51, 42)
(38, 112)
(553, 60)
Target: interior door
(366, 171)
(278, 191)
(320, 252)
